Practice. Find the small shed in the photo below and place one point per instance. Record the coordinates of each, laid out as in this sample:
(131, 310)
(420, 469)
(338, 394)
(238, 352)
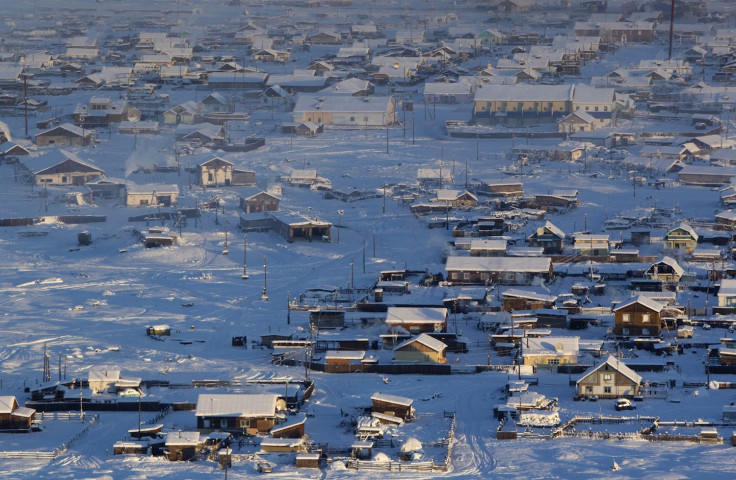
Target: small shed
(281, 444)
(307, 460)
(362, 450)
(392, 405)
(160, 330)
(323, 319)
(182, 446)
(130, 448)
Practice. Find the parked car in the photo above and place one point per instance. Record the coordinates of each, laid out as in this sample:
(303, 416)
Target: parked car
(624, 404)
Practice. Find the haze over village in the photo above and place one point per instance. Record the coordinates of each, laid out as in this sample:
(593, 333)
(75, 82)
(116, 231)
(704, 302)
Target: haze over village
(382, 239)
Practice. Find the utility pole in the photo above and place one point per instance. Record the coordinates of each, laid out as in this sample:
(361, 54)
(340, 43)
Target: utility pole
(25, 95)
(384, 198)
(386, 139)
(288, 310)
(264, 296)
(244, 276)
(225, 250)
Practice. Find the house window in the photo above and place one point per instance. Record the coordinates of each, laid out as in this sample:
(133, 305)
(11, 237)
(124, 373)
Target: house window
(605, 109)
(209, 177)
(645, 332)
(466, 276)
(596, 109)
(588, 389)
(484, 276)
(587, 108)
(223, 423)
(244, 423)
(553, 361)
(625, 318)
(606, 389)
(645, 318)
(63, 179)
(607, 377)
(352, 119)
(625, 331)
(206, 423)
(509, 277)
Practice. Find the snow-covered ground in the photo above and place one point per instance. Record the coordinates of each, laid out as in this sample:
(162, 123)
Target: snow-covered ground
(89, 306)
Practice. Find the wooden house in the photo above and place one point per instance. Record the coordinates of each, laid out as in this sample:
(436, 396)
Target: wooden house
(549, 237)
(428, 178)
(292, 428)
(70, 170)
(502, 189)
(501, 270)
(238, 413)
(215, 103)
(345, 110)
(639, 316)
(665, 269)
(550, 351)
(324, 38)
(13, 416)
(188, 113)
(292, 227)
(340, 360)
(708, 176)
(456, 198)
(727, 295)
(100, 111)
(182, 446)
(726, 220)
(420, 349)
(417, 319)
(253, 200)
(681, 237)
(151, 195)
(591, 245)
(610, 379)
(64, 134)
(271, 55)
(400, 407)
(519, 105)
(517, 299)
(487, 247)
(577, 121)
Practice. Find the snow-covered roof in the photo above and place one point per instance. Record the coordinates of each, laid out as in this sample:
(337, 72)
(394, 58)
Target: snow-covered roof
(6, 403)
(426, 340)
(550, 346)
(388, 398)
(525, 93)
(236, 405)
(182, 438)
(499, 264)
(616, 365)
(645, 301)
(399, 315)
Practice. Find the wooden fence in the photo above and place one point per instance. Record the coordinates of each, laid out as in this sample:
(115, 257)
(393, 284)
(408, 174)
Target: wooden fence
(34, 454)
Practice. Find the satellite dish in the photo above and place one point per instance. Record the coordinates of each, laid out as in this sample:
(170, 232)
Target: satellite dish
(134, 115)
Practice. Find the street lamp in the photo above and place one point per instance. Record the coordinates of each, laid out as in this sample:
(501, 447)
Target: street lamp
(339, 215)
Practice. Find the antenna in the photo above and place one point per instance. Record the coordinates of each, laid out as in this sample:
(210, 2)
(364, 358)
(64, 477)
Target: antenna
(134, 115)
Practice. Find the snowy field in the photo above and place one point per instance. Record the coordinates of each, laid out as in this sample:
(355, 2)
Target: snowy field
(89, 306)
